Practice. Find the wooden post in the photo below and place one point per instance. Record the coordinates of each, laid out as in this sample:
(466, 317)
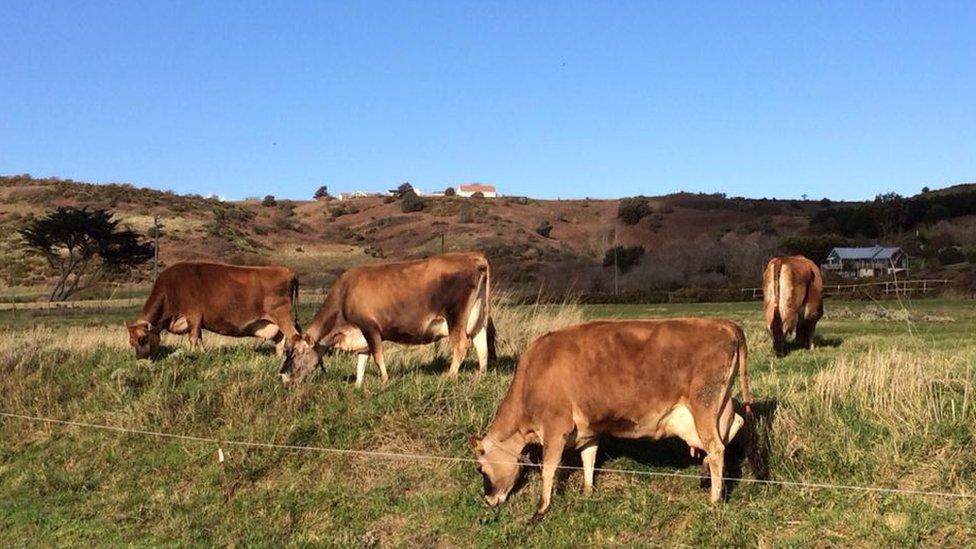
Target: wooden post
(155, 248)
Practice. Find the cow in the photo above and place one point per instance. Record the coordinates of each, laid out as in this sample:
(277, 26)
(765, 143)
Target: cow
(792, 300)
(411, 302)
(230, 300)
(645, 378)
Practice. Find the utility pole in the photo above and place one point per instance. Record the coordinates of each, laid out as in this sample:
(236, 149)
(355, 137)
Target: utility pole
(155, 247)
(442, 242)
(615, 269)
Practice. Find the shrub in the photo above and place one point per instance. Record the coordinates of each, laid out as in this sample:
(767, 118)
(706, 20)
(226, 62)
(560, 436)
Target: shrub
(343, 208)
(631, 210)
(478, 194)
(269, 201)
(626, 257)
(322, 192)
(411, 202)
(814, 248)
(951, 255)
(544, 229)
(450, 191)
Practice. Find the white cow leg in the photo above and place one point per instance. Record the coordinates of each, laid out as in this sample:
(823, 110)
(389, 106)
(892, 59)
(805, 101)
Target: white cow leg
(361, 368)
(481, 348)
(588, 456)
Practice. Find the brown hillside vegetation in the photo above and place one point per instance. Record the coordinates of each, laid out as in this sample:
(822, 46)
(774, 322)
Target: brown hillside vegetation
(688, 239)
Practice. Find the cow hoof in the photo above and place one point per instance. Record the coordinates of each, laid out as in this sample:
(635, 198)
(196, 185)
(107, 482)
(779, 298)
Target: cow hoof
(451, 375)
(587, 491)
(537, 518)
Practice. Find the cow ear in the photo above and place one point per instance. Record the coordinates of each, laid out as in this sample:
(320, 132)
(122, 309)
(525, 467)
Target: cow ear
(308, 339)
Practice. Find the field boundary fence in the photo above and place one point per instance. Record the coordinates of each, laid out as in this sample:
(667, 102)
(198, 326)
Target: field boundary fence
(219, 443)
(898, 288)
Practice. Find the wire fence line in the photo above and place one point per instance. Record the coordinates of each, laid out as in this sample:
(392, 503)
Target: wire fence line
(897, 288)
(219, 443)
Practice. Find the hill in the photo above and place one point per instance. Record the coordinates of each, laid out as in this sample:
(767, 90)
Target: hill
(687, 239)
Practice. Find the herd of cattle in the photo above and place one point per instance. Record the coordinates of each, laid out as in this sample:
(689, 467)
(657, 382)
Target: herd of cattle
(646, 378)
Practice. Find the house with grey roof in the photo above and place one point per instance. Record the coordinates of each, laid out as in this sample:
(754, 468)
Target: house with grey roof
(867, 262)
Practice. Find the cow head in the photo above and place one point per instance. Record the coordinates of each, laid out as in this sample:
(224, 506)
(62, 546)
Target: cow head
(499, 467)
(301, 357)
(144, 340)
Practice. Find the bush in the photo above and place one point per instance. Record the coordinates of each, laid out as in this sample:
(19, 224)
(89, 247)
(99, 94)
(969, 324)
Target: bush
(814, 248)
(343, 208)
(631, 210)
(450, 191)
(951, 255)
(411, 202)
(478, 194)
(269, 201)
(322, 192)
(626, 257)
(544, 229)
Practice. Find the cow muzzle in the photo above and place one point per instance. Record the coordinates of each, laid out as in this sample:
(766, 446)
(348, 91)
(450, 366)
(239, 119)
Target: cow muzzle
(495, 500)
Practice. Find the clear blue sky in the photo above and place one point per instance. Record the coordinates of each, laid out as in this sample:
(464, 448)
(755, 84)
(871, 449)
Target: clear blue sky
(598, 99)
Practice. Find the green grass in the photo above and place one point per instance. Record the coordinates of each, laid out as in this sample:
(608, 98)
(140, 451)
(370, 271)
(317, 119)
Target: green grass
(881, 402)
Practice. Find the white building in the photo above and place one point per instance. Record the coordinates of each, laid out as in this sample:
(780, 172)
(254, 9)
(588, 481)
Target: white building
(468, 189)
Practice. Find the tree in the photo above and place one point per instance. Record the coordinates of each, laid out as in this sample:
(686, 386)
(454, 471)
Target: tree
(626, 257)
(269, 201)
(544, 229)
(631, 210)
(84, 247)
(450, 191)
(322, 192)
(403, 190)
(411, 202)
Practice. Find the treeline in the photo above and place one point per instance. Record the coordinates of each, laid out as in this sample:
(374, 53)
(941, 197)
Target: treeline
(891, 213)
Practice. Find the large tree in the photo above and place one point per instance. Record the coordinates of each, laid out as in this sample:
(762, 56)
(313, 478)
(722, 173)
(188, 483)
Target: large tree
(84, 247)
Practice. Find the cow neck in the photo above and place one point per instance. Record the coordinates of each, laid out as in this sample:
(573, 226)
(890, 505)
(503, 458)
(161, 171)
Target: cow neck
(152, 309)
(509, 421)
(323, 323)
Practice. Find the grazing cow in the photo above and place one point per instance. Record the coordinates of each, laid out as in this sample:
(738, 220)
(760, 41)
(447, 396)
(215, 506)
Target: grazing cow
(622, 378)
(411, 302)
(229, 300)
(792, 300)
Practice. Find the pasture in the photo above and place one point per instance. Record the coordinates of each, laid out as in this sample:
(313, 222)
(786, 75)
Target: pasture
(886, 400)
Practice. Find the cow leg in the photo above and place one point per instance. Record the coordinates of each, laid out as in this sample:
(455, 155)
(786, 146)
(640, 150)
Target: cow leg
(481, 349)
(361, 368)
(552, 453)
(196, 332)
(804, 333)
(588, 456)
(459, 348)
(375, 341)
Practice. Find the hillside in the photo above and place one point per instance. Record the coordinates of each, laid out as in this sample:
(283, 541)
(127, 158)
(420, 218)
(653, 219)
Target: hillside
(688, 239)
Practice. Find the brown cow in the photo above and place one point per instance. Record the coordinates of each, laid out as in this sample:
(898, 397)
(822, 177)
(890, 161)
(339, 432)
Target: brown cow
(622, 378)
(226, 299)
(792, 300)
(411, 302)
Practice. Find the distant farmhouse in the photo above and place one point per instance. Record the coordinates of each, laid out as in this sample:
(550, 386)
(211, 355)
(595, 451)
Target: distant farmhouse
(468, 189)
(867, 262)
(358, 194)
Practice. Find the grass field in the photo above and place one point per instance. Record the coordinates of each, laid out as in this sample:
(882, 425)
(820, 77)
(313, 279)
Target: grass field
(886, 400)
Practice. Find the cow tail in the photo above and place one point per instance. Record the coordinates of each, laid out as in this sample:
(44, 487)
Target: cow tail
(294, 301)
(754, 449)
(492, 336)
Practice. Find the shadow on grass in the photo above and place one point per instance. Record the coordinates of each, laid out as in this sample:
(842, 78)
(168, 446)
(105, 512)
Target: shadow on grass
(818, 341)
(672, 453)
(442, 363)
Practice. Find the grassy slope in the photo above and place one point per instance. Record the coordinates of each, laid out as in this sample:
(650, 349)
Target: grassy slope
(882, 402)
